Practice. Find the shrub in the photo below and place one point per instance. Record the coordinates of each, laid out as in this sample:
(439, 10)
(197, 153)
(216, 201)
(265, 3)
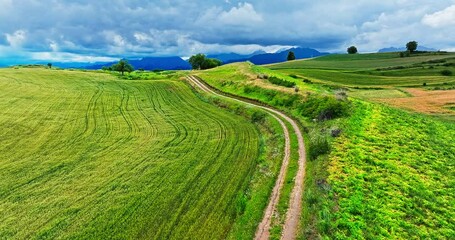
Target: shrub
(446, 72)
(293, 76)
(258, 117)
(263, 76)
(307, 81)
(281, 82)
(341, 94)
(335, 132)
(323, 107)
(319, 144)
(250, 89)
(424, 84)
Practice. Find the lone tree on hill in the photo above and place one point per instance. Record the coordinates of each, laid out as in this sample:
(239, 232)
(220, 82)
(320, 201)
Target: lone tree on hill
(122, 66)
(411, 46)
(352, 50)
(291, 56)
(197, 60)
(201, 62)
(49, 65)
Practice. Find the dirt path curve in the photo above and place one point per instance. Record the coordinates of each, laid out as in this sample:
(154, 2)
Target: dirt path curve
(293, 214)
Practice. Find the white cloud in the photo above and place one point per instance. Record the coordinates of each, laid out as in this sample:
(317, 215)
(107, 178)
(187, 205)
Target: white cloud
(442, 18)
(53, 46)
(243, 14)
(16, 39)
(68, 57)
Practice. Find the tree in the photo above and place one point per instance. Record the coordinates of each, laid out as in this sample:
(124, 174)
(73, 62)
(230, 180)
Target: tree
(411, 46)
(197, 60)
(122, 66)
(200, 62)
(49, 65)
(352, 50)
(210, 63)
(291, 56)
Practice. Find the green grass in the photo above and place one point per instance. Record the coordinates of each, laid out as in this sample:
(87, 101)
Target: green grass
(392, 176)
(356, 61)
(370, 94)
(360, 79)
(372, 70)
(85, 155)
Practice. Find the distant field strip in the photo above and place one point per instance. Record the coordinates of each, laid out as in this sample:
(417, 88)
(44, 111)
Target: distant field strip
(84, 155)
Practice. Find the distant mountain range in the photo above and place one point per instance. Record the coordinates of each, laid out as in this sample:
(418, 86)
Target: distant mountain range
(177, 63)
(151, 63)
(300, 53)
(268, 58)
(401, 49)
(230, 57)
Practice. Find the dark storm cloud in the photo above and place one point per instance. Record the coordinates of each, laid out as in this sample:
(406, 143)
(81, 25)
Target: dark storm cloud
(175, 27)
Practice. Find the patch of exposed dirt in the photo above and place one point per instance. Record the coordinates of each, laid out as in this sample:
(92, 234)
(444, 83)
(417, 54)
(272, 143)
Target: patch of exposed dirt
(425, 101)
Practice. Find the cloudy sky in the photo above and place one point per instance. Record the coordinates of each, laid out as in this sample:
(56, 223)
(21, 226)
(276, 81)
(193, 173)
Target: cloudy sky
(84, 30)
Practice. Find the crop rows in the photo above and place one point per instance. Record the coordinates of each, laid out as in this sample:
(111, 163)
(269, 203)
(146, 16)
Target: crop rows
(87, 156)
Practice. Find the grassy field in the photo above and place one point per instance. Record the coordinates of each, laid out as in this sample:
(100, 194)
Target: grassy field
(85, 155)
(385, 78)
(364, 61)
(373, 70)
(390, 175)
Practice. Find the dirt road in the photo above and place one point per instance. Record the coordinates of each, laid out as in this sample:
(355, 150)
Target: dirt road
(295, 204)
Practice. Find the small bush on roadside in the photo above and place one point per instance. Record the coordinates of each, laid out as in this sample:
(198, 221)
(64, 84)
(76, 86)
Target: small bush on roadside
(319, 144)
(307, 81)
(323, 107)
(424, 84)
